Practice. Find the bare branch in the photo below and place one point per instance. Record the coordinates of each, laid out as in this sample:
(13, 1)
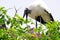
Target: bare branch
(16, 10)
(9, 9)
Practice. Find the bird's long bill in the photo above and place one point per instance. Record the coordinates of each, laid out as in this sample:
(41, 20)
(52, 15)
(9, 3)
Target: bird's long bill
(24, 15)
(26, 18)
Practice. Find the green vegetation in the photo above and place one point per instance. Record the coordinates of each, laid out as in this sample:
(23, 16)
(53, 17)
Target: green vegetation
(16, 32)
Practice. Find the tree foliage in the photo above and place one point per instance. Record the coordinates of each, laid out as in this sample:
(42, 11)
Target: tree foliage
(16, 32)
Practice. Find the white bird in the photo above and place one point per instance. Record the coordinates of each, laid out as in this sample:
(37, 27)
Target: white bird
(38, 11)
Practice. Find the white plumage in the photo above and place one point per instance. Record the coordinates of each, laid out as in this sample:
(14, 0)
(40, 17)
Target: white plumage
(39, 9)
(38, 2)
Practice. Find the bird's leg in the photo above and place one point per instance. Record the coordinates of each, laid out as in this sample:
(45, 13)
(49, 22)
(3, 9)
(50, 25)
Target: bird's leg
(36, 21)
(40, 19)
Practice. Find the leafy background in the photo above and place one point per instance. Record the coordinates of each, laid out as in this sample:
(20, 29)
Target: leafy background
(16, 32)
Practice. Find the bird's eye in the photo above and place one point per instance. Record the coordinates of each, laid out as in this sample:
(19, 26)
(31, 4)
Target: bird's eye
(29, 11)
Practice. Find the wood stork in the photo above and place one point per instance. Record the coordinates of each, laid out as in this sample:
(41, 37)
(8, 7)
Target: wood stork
(38, 11)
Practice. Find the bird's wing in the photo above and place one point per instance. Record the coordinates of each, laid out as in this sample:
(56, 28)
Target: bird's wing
(50, 15)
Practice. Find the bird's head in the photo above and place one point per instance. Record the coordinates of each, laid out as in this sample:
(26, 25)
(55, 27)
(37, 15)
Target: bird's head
(26, 12)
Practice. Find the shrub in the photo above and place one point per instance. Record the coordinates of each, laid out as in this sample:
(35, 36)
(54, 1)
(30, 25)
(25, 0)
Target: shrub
(16, 32)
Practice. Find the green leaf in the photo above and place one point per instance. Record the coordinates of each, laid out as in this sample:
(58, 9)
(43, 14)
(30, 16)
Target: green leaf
(1, 8)
(4, 12)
